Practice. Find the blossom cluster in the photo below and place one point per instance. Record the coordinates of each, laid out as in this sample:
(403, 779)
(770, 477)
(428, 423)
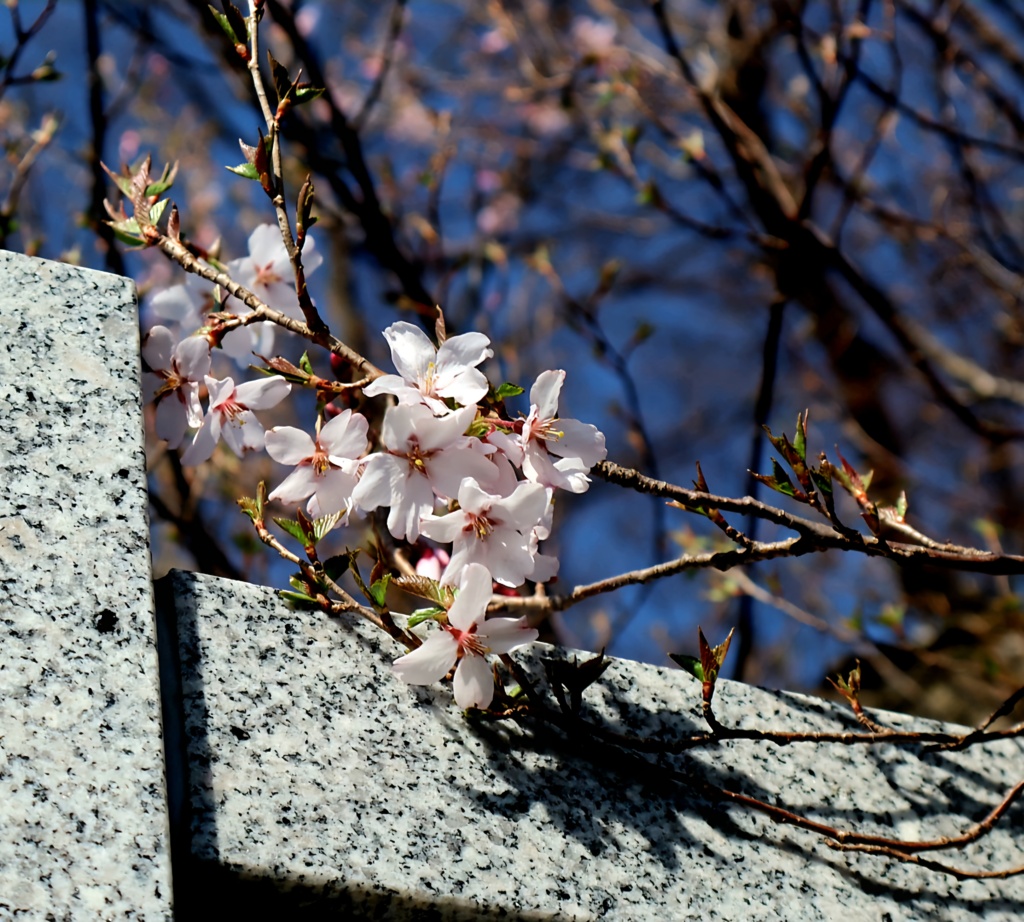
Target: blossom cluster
(445, 465)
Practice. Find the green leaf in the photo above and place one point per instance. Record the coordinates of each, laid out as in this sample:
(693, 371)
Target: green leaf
(325, 524)
(298, 599)
(128, 232)
(156, 212)
(508, 390)
(336, 567)
(282, 82)
(379, 589)
(782, 482)
(690, 663)
(305, 364)
(821, 481)
(254, 507)
(245, 170)
(425, 614)
(800, 439)
(225, 25)
(293, 528)
(306, 92)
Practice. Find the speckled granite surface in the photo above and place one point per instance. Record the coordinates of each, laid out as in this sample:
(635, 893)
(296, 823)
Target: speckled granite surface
(316, 774)
(82, 804)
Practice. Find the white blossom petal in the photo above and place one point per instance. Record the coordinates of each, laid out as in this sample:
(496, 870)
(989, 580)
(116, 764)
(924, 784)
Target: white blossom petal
(473, 684)
(411, 351)
(205, 441)
(263, 393)
(579, 440)
(470, 605)
(429, 662)
(158, 348)
(503, 635)
(193, 357)
(334, 492)
(545, 391)
(345, 435)
(288, 445)
(171, 420)
(297, 486)
(243, 433)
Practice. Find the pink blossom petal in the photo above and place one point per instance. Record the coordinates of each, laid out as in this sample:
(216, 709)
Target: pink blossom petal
(158, 348)
(466, 387)
(288, 445)
(334, 492)
(503, 635)
(297, 486)
(388, 384)
(383, 477)
(466, 349)
(219, 390)
(434, 433)
(443, 528)
(171, 420)
(473, 498)
(545, 567)
(243, 433)
(473, 683)
(408, 508)
(205, 441)
(411, 350)
(429, 662)
(579, 440)
(450, 468)
(264, 393)
(470, 604)
(525, 507)
(266, 245)
(545, 391)
(345, 435)
(193, 357)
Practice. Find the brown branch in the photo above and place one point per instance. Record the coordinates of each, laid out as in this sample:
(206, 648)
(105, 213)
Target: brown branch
(387, 58)
(41, 138)
(276, 186)
(180, 253)
(22, 36)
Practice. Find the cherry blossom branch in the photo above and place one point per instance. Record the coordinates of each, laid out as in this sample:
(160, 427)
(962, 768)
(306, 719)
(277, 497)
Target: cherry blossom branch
(315, 577)
(394, 29)
(22, 36)
(183, 256)
(275, 187)
(41, 138)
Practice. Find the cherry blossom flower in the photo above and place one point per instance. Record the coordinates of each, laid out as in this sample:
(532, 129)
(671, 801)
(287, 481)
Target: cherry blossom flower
(579, 445)
(492, 530)
(428, 375)
(187, 304)
(325, 468)
(230, 415)
(173, 384)
(267, 270)
(467, 638)
(424, 457)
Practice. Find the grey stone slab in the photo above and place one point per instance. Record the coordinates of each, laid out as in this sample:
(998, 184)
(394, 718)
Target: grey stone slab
(82, 800)
(319, 780)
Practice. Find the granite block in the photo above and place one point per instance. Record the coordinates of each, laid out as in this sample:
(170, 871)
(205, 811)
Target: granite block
(323, 787)
(82, 800)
